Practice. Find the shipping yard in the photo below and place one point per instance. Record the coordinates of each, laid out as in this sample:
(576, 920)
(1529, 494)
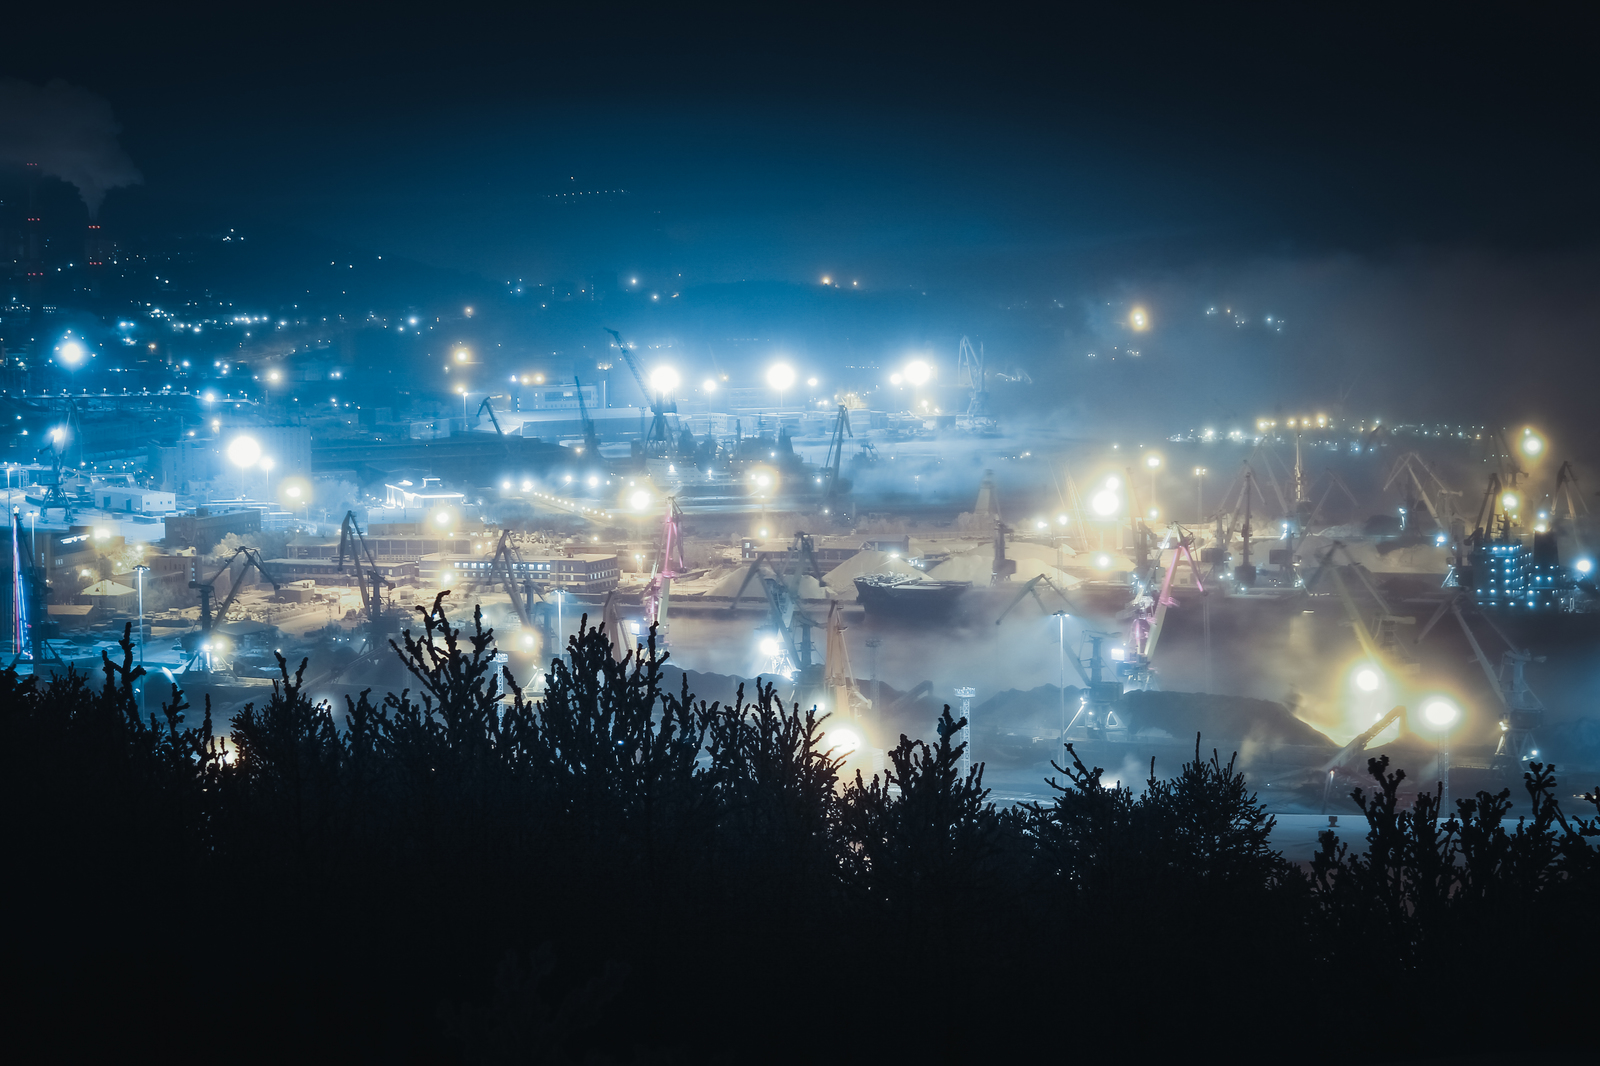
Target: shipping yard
(624, 534)
(1308, 590)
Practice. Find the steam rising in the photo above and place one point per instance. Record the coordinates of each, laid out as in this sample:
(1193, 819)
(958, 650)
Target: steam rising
(69, 132)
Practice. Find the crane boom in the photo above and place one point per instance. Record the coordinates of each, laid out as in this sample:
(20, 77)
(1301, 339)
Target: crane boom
(591, 439)
(489, 407)
(627, 357)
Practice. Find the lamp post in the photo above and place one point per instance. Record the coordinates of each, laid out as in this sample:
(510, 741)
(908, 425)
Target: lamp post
(1153, 463)
(1061, 627)
(140, 571)
(1199, 494)
(780, 376)
(1442, 714)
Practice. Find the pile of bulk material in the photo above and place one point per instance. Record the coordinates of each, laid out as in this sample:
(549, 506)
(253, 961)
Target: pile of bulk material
(977, 565)
(810, 589)
(842, 578)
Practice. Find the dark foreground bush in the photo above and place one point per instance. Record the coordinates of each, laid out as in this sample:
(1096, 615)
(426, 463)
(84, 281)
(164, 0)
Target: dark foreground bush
(620, 873)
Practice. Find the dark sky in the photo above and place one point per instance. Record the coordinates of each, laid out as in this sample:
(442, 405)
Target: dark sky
(1413, 191)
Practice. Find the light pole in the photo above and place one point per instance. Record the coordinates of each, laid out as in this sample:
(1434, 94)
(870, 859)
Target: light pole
(266, 469)
(1061, 627)
(462, 389)
(780, 376)
(1153, 462)
(1199, 494)
(141, 570)
(1442, 714)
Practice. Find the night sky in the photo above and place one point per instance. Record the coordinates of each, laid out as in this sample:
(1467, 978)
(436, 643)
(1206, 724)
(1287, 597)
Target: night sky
(1409, 197)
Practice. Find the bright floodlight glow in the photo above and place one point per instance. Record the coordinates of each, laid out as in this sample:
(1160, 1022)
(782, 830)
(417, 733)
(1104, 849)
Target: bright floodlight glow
(1531, 444)
(57, 434)
(244, 451)
(1440, 712)
(640, 500)
(780, 376)
(1113, 483)
(843, 742)
(594, 480)
(461, 355)
(1509, 501)
(442, 518)
(1102, 561)
(769, 646)
(1139, 319)
(811, 381)
(918, 372)
(1367, 679)
(709, 385)
(70, 353)
(293, 490)
(1584, 566)
(1152, 460)
(1104, 503)
(664, 379)
(895, 379)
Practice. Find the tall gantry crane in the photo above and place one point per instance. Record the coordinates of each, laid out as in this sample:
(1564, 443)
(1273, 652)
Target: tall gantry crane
(670, 564)
(836, 487)
(791, 626)
(489, 407)
(369, 581)
(591, 439)
(1148, 615)
(971, 374)
(659, 441)
(1522, 713)
(207, 589)
(1380, 638)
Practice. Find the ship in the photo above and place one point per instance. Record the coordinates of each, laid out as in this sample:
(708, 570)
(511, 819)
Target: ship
(906, 596)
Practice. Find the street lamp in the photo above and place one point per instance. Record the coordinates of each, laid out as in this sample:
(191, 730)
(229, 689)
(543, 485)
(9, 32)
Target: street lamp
(140, 570)
(266, 468)
(1061, 630)
(1199, 494)
(1152, 462)
(244, 452)
(462, 389)
(780, 376)
(1442, 713)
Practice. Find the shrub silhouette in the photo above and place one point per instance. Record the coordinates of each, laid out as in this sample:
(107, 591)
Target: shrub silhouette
(615, 872)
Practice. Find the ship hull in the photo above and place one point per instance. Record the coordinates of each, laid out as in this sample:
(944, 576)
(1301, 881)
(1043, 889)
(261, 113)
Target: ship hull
(918, 601)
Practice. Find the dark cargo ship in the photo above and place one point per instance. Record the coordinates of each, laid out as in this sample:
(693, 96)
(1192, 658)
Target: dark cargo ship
(903, 596)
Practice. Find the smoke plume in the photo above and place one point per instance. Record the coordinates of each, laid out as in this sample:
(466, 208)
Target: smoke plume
(69, 132)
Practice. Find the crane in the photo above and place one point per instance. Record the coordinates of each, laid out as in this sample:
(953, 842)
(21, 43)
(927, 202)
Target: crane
(207, 589)
(835, 487)
(791, 625)
(671, 563)
(369, 581)
(1522, 711)
(591, 439)
(658, 441)
(1489, 510)
(971, 375)
(1380, 641)
(1149, 615)
(487, 406)
(1031, 588)
(1407, 464)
